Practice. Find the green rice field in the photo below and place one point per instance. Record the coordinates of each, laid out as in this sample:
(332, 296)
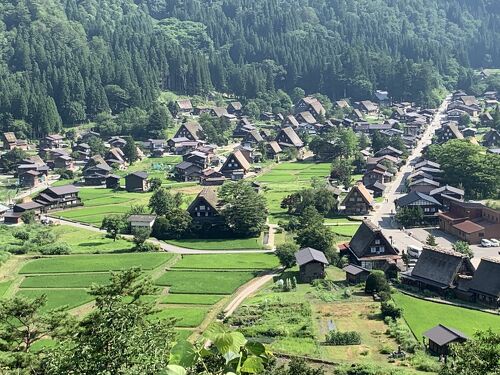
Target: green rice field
(72, 280)
(204, 282)
(219, 244)
(190, 299)
(59, 297)
(185, 316)
(228, 261)
(94, 263)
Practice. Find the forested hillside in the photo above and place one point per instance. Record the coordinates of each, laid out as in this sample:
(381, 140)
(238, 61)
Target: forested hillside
(65, 61)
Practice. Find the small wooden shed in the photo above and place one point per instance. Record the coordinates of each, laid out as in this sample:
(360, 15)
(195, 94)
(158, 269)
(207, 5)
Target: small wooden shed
(440, 337)
(355, 274)
(311, 263)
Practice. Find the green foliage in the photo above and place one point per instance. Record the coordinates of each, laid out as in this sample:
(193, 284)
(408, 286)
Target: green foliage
(28, 217)
(342, 143)
(409, 216)
(162, 202)
(478, 355)
(343, 338)
(319, 198)
(463, 248)
(467, 165)
(173, 226)
(141, 234)
(130, 150)
(342, 171)
(389, 308)
(11, 159)
(154, 183)
(402, 334)
(431, 240)
(376, 282)
(113, 225)
(58, 248)
(244, 211)
(286, 254)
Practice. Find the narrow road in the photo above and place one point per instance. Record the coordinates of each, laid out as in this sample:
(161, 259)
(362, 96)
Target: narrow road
(164, 246)
(383, 213)
(246, 291)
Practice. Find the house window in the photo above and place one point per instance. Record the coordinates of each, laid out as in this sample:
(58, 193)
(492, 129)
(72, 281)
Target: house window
(202, 207)
(377, 242)
(373, 249)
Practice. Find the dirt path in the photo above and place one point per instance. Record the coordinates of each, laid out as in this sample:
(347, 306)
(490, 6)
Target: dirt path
(246, 291)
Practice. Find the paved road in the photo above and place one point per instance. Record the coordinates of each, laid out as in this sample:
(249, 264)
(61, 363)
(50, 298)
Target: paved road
(383, 213)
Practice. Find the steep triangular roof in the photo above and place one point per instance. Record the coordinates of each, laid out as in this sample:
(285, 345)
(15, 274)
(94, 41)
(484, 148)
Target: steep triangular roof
(487, 277)
(308, 255)
(209, 195)
(365, 194)
(292, 137)
(240, 158)
(364, 236)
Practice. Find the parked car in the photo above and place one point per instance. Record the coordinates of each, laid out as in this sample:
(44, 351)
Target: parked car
(414, 251)
(486, 243)
(495, 242)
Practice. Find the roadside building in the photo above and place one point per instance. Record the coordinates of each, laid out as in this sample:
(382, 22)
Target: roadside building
(358, 201)
(311, 264)
(137, 182)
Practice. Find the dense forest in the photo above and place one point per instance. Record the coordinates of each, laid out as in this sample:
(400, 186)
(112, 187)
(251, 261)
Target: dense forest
(65, 61)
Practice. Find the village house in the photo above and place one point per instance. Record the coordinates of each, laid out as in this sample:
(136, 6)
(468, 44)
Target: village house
(370, 249)
(368, 107)
(311, 264)
(83, 150)
(290, 121)
(469, 132)
(449, 131)
(355, 274)
(305, 118)
(382, 97)
(358, 201)
(63, 161)
(52, 141)
(236, 166)
(378, 173)
(112, 181)
(311, 105)
(252, 139)
(273, 149)
(183, 107)
(440, 337)
(446, 193)
(211, 177)
(204, 209)
(485, 285)
(117, 142)
(11, 142)
(440, 271)
(486, 119)
(377, 189)
(423, 185)
(30, 179)
(115, 156)
(491, 138)
(137, 182)
(96, 175)
(191, 130)
(141, 221)
(202, 159)
(342, 104)
(429, 205)
(389, 150)
(234, 108)
(187, 171)
(470, 222)
(58, 197)
(218, 112)
(287, 138)
(14, 215)
(243, 126)
(157, 147)
(182, 145)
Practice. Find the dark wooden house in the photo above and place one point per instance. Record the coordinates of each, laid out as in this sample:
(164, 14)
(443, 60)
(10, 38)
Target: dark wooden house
(235, 162)
(429, 205)
(485, 285)
(59, 197)
(440, 337)
(370, 249)
(137, 182)
(205, 207)
(358, 201)
(287, 137)
(192, 131)
(311, 264)
(187, 171)
(355, 274)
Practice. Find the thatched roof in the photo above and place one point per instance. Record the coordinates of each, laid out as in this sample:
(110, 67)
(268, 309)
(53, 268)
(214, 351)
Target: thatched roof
(486, 279)
(308, 255)
(364, 236)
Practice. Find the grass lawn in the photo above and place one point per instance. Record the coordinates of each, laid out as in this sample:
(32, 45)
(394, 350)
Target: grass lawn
(183, 334)
(59, 297)
(345, 230)
(156, 167)
(219, 244)
(228, 261)
(4, 286)
(204, 282)
(284, 179)
(87, 241)
(422, 315)
(186, 316)
(94, 263)
(190, 299)
(63, 280)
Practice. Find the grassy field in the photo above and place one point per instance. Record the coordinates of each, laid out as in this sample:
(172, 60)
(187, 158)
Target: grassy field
(345, 230)
(203, 282)
(156, 167)
(190, 299)
(228, 261)
(72, 280)
(219, 244)
(94, 263)
(4, 286)
(87, 241)
(422, 315)
(99, 203)
(284, 179)
(59, 297)
(185, 316)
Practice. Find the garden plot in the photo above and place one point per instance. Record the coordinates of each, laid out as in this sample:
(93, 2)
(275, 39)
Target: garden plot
(219, 244)
(59, 297)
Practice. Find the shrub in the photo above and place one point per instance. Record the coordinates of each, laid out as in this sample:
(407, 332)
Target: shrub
(423, 362)
(343, 338)
(148, 247)
(402, 334)
(58, 248)
(286, 254)
(376, 282)
(389, 308)
(21, 234)
(386, 349)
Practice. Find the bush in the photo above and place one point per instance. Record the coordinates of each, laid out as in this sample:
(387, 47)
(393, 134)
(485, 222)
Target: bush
(389, 308)
(21, 234)
(58, 248)
(376, 282)
(402, 334)
(343, 338)
(423, 362)
(286, 254)
(148, 247)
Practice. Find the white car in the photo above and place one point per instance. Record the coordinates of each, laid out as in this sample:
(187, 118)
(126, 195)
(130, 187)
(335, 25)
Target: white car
(495, 242)
(486, 243)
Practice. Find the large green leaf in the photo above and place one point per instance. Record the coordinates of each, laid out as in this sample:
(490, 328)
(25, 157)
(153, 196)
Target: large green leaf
(229, 342)
(215, 329)
(175, 370)
(252, 365)
(255, 348)
(183, 354)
